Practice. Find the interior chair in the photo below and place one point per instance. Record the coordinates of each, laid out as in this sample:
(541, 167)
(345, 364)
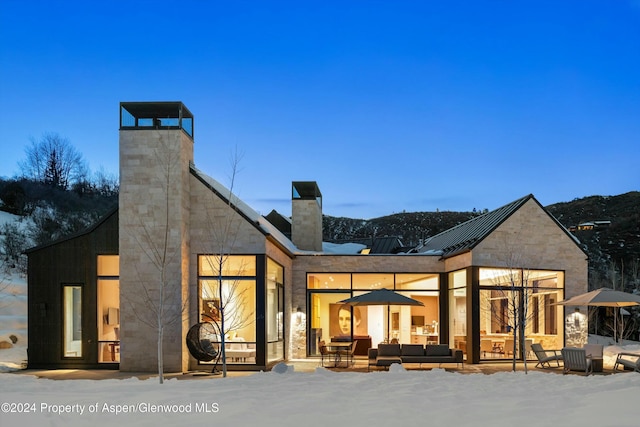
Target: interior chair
(576, 359)
(486, 345)
(545, 357)
(630, 361)
(508, 346)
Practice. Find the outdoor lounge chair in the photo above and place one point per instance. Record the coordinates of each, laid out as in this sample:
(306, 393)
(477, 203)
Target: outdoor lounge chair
(545, 357)
(630, 361)
(576, 359)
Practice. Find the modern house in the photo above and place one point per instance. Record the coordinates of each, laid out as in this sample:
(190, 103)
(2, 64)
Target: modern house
(181, 248)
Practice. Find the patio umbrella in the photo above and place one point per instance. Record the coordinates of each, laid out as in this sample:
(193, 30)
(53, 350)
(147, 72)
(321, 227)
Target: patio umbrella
(604, 297)
(381, 297)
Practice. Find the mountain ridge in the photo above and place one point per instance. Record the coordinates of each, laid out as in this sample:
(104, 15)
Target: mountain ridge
(612, 240)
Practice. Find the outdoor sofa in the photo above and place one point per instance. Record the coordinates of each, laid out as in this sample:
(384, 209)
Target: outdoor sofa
(388, 354)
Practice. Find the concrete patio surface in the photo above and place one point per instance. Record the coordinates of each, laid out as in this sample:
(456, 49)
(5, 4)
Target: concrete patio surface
(299, 365)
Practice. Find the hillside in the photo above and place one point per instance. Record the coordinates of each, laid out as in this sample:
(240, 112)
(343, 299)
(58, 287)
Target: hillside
(618, 242)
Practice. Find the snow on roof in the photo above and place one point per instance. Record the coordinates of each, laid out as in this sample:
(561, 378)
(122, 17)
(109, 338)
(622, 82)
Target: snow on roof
(247, 211)
(342, 248)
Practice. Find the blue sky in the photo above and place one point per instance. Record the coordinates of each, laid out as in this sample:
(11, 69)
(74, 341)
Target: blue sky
(390, 106)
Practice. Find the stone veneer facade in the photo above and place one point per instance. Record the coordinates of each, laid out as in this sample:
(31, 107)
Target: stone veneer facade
(156, 175)
(306, 224)
(154, 197)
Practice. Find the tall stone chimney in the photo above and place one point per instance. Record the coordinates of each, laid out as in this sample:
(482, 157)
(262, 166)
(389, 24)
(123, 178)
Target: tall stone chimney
(306, 215)
(156, 149)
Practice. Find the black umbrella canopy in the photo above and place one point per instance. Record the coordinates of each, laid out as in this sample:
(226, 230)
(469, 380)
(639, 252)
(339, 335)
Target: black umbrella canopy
(381, 297)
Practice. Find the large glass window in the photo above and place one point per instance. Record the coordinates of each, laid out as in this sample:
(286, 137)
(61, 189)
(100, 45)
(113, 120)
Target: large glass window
(72, 320)
(275, 311)
(513, 301)
(234, 294)
(329, 281)
(458, 309)
(330, 320)
(108, 308)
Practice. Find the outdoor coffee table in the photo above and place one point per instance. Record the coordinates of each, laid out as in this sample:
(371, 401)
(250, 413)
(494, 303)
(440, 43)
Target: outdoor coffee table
(597, 364)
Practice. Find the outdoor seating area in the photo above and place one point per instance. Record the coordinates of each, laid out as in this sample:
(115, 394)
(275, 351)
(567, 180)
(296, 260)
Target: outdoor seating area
(387, 354)
(337, 352)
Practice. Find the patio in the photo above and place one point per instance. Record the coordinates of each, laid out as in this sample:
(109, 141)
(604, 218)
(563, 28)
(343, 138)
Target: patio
(310, 365)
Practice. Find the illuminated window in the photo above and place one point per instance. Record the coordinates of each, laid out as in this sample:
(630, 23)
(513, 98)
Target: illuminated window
(230, 265)
(72, 324)
(108, 282)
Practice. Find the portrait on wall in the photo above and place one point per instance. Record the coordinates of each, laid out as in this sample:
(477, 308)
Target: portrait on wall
(210, 310)
(340, 320)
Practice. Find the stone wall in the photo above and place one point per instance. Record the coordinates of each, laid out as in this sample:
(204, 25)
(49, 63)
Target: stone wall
(154, 208)
(531, 235)
(306, 224)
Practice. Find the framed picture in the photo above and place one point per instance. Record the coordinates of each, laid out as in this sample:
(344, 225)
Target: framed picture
(210, 310)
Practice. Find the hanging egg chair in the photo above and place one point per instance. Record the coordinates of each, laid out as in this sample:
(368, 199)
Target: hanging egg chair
(203, 342)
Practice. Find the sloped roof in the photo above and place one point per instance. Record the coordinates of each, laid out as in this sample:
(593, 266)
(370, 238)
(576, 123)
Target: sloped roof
(386, 245)
(245, 210)
(464, 237)
(85, 231)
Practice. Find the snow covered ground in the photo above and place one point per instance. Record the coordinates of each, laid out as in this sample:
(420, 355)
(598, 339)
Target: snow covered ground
(319, 398)
(326, 398)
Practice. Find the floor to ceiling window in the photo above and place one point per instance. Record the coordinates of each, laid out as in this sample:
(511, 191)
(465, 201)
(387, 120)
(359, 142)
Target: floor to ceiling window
(72, 320)
(518, 300)
(228, 285)
(275, 311)
(108, 309)
(458, 310)
(330, 320)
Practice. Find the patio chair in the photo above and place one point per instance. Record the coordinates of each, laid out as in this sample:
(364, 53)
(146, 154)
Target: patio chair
(350, 354)
(325, 353)
(545, 357)
(630, 361)
(576, 359)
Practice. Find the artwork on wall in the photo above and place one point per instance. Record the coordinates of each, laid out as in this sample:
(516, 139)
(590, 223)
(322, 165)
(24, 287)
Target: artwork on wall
(340, 320)
(211, 310)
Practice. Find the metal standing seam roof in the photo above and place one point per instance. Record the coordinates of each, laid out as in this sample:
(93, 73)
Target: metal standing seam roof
(467, 235)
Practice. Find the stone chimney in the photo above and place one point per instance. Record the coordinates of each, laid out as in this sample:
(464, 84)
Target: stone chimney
(156, 149)
(306, 215)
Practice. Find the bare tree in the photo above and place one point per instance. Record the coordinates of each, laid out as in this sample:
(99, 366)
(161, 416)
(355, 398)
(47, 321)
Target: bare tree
(54, 161)
(634, 272)
(232, 297)
(8, 292)
(509, 309)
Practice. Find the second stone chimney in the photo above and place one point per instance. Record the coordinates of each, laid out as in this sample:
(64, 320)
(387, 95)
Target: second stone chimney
(306, 215)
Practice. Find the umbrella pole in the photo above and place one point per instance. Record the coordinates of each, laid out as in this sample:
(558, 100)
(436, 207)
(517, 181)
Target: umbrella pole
(388, 323)
(615, 326)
